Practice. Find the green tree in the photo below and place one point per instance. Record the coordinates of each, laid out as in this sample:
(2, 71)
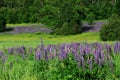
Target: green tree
(66, 16)
(1, 3)
(111, 31)
(2, 22)
(50, 12)
(118, 6)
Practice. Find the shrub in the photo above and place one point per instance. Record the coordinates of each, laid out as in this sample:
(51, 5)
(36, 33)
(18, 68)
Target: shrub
(111, 31)
(2, 22)
(117, 7)
(68, 29)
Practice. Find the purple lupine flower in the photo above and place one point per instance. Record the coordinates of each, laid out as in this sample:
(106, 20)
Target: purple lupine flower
(51, 56)
(74, 52)
(46, 54)
(62, 47)
(17, 50)
(81, 49)
(117, 47)
(78, 60)
(10, 50)
(102, 57)
(108, 49)
(67, 49)
(38, 55)
(49, 48)
(21, 50)
(99, 51)
(31, 50)
(90, 63)
(1, 54)
(54, 53)
(75, 46)
(96, 56)
(83, 62)
(87, 49)
(62, 54)
(4, 58)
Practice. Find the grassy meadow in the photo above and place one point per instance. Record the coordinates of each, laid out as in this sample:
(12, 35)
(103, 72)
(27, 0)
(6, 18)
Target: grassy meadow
(7, 40)
(59, 40)
(54, 59)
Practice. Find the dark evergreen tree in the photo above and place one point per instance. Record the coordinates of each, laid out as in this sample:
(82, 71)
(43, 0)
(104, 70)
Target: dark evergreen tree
(2, 22)
(118, 7)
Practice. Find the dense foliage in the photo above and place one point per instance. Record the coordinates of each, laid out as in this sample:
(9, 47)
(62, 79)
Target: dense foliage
(90, 18)
(111, 31)
(66, 61)
(18, 11)
(118, 7)
(63, 15)
(68, 19)
(101, 9)
(2, 22)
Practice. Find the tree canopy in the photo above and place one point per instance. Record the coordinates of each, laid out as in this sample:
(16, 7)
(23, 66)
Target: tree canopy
(58, 13)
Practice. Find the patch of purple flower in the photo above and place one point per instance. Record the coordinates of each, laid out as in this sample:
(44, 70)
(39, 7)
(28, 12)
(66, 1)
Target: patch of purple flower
(1, 54)
(83, 54)
(38, 55)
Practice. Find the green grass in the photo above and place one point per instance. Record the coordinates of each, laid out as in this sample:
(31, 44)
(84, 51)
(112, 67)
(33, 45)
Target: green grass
(8, 40)
(22, 24)
(29, 69)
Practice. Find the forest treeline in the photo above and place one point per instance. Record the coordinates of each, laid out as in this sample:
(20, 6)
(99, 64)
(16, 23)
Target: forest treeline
(65, 16)
(19, 11)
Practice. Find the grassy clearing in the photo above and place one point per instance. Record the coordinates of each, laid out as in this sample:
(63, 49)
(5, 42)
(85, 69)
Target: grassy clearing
(8, 40)
(22, 24)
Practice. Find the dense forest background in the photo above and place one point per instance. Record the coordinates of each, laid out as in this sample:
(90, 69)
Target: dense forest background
(19, 11)
(61, 14)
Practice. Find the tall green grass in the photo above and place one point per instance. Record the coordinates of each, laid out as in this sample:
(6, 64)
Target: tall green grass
(8, 40)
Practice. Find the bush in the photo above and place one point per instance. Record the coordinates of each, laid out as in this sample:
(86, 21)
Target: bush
(117, 7)
(2, 22)
(69, 29)
(111, 31)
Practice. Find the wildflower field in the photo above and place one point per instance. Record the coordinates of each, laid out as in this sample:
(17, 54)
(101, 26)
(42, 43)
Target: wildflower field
(38, 56)
(65, 61)
(59, 40)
